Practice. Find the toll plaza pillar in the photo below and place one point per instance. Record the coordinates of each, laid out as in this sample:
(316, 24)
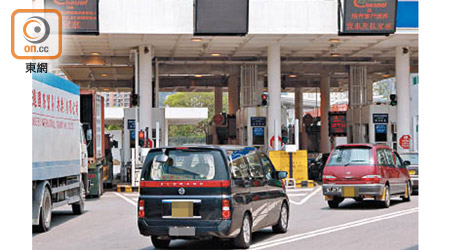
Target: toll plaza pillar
(217, 110)
(274, 89)
(233, 102)
(145, 87)
(325, 146)
(402, 72)
(299, 115)
(233, 94)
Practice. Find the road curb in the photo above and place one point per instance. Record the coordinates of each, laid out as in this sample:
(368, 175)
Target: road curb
(306, 184)
(127, 189)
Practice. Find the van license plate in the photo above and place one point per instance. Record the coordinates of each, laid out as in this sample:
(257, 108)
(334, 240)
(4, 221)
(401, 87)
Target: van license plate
(181, 231)
(182, 209)
(349, 192)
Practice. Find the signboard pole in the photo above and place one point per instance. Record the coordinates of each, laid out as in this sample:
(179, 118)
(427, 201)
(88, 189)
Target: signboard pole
(290, 166)
(276, 136)
(297, 142)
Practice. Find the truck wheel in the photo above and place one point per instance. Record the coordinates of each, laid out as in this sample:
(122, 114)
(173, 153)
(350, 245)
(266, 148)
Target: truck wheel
(157, 243)
(334, 203)
(244, 238)
(45, 215)
(78, 208)
(282, 225)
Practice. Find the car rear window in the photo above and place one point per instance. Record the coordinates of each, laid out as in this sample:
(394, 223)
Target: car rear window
(185, 164)
(346, 156)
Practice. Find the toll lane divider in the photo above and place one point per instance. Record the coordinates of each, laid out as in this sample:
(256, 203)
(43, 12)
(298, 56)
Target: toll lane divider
(127, 188)
(327, 230)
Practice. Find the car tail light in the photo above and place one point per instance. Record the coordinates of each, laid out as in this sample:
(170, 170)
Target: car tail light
(226, 212)
(371, 178)
(329, 178)
(141, 210)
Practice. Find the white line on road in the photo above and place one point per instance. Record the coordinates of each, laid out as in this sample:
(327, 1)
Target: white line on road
(307, 197)
(295, 195)
(126, 199)
(332, 229)
(299, 190)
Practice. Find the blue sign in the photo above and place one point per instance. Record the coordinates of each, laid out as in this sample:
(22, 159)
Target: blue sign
(131, 124)
(258, 131)
(380, 128)
(133, 134)
(408, 14)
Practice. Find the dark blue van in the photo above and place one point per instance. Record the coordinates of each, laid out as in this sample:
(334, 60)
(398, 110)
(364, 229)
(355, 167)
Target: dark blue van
(202, 192)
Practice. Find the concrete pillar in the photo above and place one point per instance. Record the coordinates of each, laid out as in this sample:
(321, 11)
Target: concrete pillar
(325, 146)
(156, 84)
(218, 103)
(145, 87)
(274, 89)
(233, 94)
(402, 73)
(299, 115)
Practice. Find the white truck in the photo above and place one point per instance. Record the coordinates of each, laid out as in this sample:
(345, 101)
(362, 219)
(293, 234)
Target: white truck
(59, 165)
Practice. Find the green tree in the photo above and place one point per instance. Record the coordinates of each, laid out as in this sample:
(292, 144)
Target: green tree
(193, 100)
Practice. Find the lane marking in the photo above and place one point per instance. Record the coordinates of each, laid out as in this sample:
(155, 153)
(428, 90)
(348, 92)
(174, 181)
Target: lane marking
(302, 236)
(295, 195)
(126, 199)
(299, 190)
(307, 197)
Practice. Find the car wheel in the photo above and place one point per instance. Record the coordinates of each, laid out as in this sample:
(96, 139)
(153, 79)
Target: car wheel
(334, 203)
(282, 225)
(387, 197)
(158, 243)
(244, 238)
(359, 199)
(408, 191)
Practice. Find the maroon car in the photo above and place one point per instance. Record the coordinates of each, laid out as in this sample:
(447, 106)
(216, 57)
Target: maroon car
(360, 171)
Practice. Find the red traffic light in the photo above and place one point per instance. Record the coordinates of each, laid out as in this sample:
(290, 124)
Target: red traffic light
(141, 135)
(264, 99)
(264, 96)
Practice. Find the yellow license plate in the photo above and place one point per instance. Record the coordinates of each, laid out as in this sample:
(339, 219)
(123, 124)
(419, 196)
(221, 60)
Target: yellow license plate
(348, 192)
(182, 209)
(412, 172)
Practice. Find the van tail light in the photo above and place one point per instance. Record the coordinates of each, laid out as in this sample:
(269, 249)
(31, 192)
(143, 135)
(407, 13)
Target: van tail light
(371, 178)
(141, 209)
(329, 178)
(226, 212)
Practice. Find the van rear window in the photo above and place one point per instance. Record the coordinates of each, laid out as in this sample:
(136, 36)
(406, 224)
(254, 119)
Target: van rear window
(351, 156)
(187, 164)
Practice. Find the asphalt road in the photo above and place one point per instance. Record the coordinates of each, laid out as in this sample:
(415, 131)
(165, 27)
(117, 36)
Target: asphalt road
(110, 223)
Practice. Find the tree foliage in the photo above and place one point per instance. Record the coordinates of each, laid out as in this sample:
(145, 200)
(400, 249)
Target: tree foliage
(193, 100)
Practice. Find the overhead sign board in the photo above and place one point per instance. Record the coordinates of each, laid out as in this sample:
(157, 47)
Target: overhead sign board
(219, 17)
(380, 118)
(367, 17)
(337, 123)
(79, 16)
(257, 121)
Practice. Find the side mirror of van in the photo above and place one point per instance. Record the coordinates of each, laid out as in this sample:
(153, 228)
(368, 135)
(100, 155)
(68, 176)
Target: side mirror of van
(406, 163)
(282, 175)
(89, 134)
(162, 158)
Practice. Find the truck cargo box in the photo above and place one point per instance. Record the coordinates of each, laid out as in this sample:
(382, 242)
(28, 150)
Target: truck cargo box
(56, 127)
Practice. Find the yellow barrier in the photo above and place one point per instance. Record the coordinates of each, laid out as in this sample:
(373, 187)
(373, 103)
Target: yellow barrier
(280, 160)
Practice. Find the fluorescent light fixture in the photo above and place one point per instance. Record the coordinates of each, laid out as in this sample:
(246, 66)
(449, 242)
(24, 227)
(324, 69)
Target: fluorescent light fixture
(335, 55)
(215, 54)
(196, 39)
(104, 74)
(292, 75)
(198, 76)
(96, 53)
(334, 40)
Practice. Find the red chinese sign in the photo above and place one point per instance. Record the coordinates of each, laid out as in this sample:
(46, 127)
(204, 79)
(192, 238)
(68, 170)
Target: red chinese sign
(405, 142)
(369, 16)
(337, 124)
(79, 16)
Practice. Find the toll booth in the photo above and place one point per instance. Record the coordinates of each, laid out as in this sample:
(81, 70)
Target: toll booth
(251, 124)
(372, 124)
